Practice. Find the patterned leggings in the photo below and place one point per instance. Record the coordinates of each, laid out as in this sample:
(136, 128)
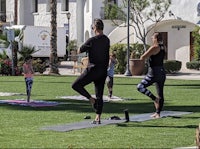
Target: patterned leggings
(29, 83)
(159, 81)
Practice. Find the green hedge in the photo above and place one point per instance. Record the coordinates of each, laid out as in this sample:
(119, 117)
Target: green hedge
(172, 66)
(193, 65)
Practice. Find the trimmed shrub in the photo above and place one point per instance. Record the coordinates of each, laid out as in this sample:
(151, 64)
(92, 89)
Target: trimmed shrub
(172, 66)
(193, 65)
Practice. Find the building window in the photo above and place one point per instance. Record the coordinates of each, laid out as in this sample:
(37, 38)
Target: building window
(48, 6)
(3, 10)
(35, 6)
(2, 5)
(65, 5)
(198, 9)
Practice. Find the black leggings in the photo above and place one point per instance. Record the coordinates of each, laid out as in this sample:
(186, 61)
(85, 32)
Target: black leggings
(96, 75)
(158, 77)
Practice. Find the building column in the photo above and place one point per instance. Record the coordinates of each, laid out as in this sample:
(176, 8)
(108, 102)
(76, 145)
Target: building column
(20, 16)
(80, 21)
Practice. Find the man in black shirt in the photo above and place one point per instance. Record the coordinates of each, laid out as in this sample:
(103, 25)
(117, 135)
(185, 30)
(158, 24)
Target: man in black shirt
(97, 48)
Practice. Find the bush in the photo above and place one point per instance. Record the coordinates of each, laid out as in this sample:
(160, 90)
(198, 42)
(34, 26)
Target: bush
(5, 67)
(120, 51)
(137, 50)
(172, 66)
(196, 45)
(193, 65)
(38, 65)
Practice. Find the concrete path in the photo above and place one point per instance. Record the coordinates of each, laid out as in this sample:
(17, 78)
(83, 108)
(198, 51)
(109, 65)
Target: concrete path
(66, 68)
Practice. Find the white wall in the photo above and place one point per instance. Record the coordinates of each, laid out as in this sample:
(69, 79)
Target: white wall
(9, 10)
(183, 55)
(25, 16)
(185, 9)
(42, 18)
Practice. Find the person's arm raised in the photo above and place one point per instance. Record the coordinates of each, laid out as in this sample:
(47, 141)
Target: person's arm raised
(151, 51)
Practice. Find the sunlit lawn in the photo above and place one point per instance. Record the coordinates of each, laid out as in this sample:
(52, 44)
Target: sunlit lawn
(20, 126)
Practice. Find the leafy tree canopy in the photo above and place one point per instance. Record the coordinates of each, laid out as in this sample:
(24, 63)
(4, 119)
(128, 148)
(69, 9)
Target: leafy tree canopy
(141, 12)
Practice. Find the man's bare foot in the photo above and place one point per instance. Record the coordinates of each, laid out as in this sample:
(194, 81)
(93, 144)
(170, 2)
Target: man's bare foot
(93, 101)
(156, 103)
(97, 119)
(155, 115)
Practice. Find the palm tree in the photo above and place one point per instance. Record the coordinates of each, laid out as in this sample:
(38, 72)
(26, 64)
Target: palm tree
(53, 40)
(26, 51)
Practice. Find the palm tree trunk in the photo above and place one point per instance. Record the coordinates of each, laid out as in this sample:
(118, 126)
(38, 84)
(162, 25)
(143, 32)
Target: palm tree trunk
(53, 40)
(15, 45)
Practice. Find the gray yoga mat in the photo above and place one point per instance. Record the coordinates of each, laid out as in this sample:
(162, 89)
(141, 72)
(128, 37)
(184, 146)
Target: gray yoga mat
(147, 116)
(87, 123)
(80, 125)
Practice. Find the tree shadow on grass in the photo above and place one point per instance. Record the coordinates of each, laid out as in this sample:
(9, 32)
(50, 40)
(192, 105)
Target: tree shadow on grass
(132, 124)
(134, 107)
(185, 85)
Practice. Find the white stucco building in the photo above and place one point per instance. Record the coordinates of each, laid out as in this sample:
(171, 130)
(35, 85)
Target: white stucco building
(176, 28)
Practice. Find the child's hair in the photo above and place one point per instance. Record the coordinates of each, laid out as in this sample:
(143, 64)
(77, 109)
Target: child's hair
(113, 54)
(28, 58)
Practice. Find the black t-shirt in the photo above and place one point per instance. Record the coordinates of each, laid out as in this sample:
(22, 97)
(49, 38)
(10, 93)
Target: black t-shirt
(97, 48)
(157, 60)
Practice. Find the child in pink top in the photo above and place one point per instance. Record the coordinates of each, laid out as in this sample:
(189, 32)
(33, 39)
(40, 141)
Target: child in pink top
(28, 75)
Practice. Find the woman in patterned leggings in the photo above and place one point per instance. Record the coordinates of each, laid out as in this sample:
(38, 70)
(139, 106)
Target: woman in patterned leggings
(156, 73)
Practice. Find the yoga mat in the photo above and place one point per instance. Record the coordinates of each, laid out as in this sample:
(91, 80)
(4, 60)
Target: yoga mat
(80, 125)
(147, 116)
(191, 147)
(87, 124)
(32, 103)
(79, 97)
(10, 94)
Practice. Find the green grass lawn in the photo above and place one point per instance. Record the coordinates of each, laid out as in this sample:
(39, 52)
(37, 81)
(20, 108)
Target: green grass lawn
(20, 126)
